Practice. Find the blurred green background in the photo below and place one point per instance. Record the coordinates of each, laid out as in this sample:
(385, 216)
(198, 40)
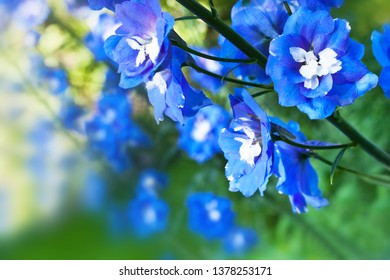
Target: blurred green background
(355, 225)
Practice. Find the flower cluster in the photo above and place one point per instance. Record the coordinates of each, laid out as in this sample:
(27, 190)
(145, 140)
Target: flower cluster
(148, 214)
(212, 217)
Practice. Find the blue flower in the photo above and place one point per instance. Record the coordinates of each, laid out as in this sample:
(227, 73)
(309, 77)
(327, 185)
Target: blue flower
(258, 22)
(170, 93)
(209, 215)
(70, 114)
(104, 28)
(199, 135)
(381, 49)
(94, 191)
(207, 82)
(30, 13)
(298, 179)
(151, 182)
(148, 215)
(247, 146)
(111, 130)
(239, 241)
(320, 4)
(141, 45)
(316, 66)
(100, 4)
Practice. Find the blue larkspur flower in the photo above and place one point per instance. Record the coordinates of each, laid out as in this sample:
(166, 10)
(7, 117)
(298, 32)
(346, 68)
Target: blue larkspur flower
(247, 146)
(316, 66)
(148, 215)
(258, 22)
(239, 241)
(199, 135)
(209, 215)
(320, 4)
(100, 4)
(297, 177)
(111, 130)
(141, 45)
(94, 191)
(381, 49)
(151, 182)
(171, 94)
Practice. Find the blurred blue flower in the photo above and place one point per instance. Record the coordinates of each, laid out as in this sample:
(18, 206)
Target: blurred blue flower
(297, 177)
(30, 13)
(109, 4)
(239, 241)
(381, 49)
(70, 114)
(205, 81)
(54, 79)
(141, 44)
(111, 130)
(247, 146)
(170, 93)
(199, 134)
(148, 215)
(209, 215)
(316, 66)
(104, 28)
(94, 191)
(320, 4)
(258, 22)
(151, 182)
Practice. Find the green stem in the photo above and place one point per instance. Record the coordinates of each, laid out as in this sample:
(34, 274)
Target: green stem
(261, 93)
(370, 177)
(222, 78)
(358, 138)
(210, 57)
(287, 7)
(312, 147)
(186, 18)
(225, 30)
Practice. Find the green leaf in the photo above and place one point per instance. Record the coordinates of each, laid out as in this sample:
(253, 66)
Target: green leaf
(336, 163)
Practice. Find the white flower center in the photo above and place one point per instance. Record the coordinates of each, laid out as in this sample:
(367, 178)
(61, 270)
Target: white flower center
(250, 147)
(214, 214)
(202, 128)
(313, 67)
(159, 82)
(146, 48)
(149, 215)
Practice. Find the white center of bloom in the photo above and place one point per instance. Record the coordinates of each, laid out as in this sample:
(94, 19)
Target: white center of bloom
(149, 182)
(314, 67)
(213, 212)
(250, 147)
(145, 47)
(238, 240)
(159, 82)
(202, 128)
(149, 215)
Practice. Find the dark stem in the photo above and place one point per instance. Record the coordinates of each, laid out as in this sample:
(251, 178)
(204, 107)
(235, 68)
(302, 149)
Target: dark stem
(211, 57)
(312, 147)
(287, 7)
(375, 178)
(186, 18)
(222, 78)
(356, 137)
(225, 30)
